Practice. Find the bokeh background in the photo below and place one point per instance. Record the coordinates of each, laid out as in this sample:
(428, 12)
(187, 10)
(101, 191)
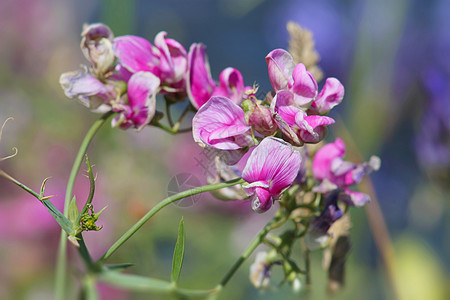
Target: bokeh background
(392, 57)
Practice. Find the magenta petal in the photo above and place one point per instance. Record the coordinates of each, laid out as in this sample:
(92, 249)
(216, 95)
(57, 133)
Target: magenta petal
(135, 54)
(304, 86)
(200, 84)
(220, 124)
(284, 114)
(142, 88)
(231, 85)
(331, 95)
(321, 166)
(273, 161)
(313, 128)
(261, 200)
(173, 58)
(280, 66)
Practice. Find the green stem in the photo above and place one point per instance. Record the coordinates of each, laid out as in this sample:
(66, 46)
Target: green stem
(60, 279)
(18, 183)
(169, 115)
(177, 125)
(162, 204)
(274, 223)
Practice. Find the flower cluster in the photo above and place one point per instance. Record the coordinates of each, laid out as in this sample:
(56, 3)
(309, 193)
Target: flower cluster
(127, 72)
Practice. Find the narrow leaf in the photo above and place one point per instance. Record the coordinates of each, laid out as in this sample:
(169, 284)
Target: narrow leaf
(73, 211)
(65, 223)
(178, 253)
(135, 282)
(119, 267)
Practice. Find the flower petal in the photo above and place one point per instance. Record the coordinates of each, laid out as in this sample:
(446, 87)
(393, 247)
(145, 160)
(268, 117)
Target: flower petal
(331, 95)
(199, 83)
(135, 54)
(304, 86)
(231, 85)
(280, 66)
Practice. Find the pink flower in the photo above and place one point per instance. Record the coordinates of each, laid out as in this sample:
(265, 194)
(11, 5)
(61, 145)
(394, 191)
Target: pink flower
(331, 95)
(333, 172)
(200, 85)
(220, 124)
(139, 108)
(172, 61)
(296, 125)
(285, 75)
(96, 45)
(270, 169)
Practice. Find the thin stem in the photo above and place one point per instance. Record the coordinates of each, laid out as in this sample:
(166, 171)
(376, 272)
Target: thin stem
(18, 183)
(163, 204)
(274, 223)
(169, 115)
(177, 125)
(60, 279)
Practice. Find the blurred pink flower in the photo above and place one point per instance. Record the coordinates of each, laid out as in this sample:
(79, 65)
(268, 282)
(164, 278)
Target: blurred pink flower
(333, 172)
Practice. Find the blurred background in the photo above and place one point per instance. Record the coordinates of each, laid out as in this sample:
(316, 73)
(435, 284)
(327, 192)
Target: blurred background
(392, 57)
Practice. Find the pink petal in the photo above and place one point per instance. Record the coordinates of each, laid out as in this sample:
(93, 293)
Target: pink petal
(312, 129)
(200, 84)
(280, 65)
(135, 54)
(274, 161)
(231, 85)
(304, 86)
(173, 58)
(221, 124)
(142, 88)
(261, 200)
(321, 166)
(331, 95)
(357, 198)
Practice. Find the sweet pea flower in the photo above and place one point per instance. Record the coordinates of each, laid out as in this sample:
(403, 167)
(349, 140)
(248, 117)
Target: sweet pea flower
(220, 124)
(172, 62)
(200, 85)
(140, 107)
(333, 172)
(285, 75)
(270, 169)
(297, 126)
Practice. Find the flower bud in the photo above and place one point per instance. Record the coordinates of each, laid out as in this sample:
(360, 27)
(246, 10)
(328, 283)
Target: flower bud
(96, 45)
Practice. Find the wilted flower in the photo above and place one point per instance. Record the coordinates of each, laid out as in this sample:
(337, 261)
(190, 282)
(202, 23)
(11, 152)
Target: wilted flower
(260, 271)
(333, 172)
(317, 235)
(220, 124)
(200, 85)
(96, 45)
(270, 169)
(297, 126)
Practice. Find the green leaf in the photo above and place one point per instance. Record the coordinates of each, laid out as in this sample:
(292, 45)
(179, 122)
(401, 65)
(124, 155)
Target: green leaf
(119, 266)
(73, 211)
(178, 253)
(65, 223)
(135, 282)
